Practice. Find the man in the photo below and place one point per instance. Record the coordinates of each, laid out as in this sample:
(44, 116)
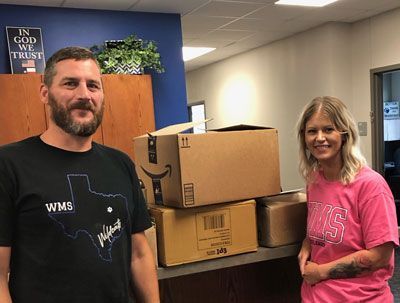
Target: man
(72, 215)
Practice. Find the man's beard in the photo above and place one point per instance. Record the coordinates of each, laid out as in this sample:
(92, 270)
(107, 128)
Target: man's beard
(63, 118)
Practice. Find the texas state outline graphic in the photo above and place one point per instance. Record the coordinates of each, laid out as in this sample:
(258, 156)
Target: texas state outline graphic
(100, 216)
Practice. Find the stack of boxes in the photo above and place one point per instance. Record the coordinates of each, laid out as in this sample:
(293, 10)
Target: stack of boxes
(201, 188)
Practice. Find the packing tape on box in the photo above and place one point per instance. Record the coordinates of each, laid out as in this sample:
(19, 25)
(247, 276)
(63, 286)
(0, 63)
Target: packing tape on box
(152, 148)
(156, 182)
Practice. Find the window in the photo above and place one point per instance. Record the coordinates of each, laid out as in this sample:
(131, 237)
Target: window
(197, 112)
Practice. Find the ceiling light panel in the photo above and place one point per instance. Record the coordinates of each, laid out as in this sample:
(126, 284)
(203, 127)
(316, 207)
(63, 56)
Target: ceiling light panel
(190, 53)
(315, 3)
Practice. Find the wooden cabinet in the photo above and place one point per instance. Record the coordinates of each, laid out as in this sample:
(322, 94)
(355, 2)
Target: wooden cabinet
(269, 275)
(274, 281)
(22, 114)
(128, 112)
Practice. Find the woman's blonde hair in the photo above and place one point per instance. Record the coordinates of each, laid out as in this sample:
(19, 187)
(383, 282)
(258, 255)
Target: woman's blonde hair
(343, 121)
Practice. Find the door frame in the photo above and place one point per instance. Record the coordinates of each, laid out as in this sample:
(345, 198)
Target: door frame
(376, 114)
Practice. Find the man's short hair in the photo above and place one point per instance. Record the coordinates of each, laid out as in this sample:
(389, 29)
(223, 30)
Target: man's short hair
(72, 52)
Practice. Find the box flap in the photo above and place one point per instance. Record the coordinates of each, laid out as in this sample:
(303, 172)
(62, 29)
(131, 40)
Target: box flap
(167, 209)
(288, 192)
(281, 204)
(283, 198)
(175, 128)
(159, 208)
(240, 127)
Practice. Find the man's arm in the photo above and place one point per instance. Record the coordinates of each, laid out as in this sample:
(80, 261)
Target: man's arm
(5, 253)
(357, 264)
(144, 275)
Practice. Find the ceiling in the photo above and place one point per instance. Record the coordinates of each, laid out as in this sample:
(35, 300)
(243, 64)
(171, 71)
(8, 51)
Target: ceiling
(233, 26)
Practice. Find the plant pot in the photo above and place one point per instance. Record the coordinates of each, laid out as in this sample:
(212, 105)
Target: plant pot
(130, 69)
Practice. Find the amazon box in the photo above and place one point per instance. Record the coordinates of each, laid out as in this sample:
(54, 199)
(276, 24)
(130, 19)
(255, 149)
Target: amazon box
(281, 219)
(187, 170)
(201, 233)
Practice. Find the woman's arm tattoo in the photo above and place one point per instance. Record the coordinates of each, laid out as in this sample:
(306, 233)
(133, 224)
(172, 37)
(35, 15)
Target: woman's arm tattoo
(348, 270)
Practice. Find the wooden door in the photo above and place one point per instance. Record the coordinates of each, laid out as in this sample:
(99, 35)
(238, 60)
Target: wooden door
(22, 114)
(129, 110)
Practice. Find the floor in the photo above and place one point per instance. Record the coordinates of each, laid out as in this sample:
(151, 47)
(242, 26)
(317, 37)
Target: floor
(395, 281)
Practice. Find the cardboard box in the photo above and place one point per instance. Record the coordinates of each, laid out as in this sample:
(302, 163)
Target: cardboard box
(187, 170)
(201, 233)
(281, 219)
(152, 240)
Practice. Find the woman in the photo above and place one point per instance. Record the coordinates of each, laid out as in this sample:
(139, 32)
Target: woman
(348, 254)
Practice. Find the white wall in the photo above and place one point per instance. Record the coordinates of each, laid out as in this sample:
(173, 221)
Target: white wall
(375, 44)
(269, 85)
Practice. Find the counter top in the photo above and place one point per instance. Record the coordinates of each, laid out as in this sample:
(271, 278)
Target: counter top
(262, 254)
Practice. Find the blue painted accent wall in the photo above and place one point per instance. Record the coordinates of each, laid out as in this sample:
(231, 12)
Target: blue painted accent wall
(82, 27)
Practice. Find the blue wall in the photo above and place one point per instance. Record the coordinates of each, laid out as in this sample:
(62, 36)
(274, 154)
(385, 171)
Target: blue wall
(80, 27)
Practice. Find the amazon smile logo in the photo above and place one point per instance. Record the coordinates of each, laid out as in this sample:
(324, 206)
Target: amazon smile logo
(156, 182)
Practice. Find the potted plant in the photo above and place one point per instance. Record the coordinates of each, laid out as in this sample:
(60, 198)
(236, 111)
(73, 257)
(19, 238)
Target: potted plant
(128, 56)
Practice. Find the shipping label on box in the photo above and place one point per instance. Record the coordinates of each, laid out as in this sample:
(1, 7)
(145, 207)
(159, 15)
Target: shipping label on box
(207, 232)
(213, 229)
(189, 170)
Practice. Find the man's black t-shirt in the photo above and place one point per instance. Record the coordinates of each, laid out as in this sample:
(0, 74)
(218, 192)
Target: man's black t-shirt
(68, 217)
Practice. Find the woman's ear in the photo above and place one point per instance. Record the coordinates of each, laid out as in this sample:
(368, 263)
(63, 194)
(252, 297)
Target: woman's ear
(344, 136)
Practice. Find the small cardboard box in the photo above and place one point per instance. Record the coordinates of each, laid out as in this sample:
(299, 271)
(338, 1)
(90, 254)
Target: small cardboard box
(208, 232)
(281, 219)
(187, 170)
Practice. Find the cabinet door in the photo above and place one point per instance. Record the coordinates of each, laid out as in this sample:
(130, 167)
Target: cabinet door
(129, 110)
(22, 114)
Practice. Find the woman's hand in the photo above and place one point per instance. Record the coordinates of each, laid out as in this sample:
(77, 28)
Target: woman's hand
(311, 273)
(304, 255)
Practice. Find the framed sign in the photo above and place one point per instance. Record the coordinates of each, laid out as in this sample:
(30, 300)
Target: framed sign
(391, 110)
(25, 48)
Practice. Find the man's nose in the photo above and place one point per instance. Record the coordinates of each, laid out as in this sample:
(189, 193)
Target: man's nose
(83, 92)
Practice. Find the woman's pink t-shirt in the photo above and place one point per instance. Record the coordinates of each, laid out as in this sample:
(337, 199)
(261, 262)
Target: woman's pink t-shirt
(343, 219)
